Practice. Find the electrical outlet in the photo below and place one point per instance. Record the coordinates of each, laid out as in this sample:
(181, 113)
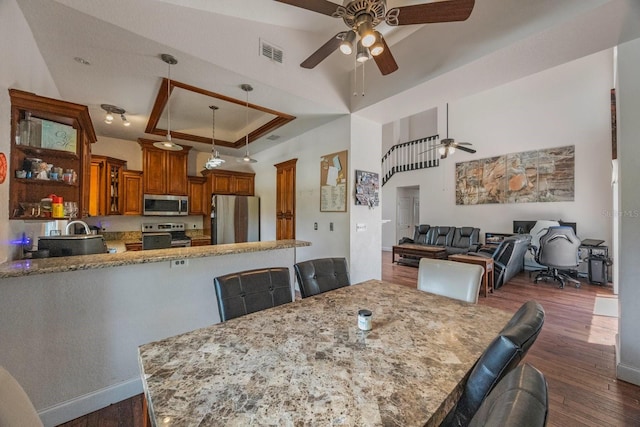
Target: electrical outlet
(179, 263)
(315, 225)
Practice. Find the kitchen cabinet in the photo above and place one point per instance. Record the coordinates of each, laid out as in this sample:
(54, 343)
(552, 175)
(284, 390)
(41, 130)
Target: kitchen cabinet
(54, 138)
(286, 199)
(201, 241)
(164, 172)
(230, 182)
(199, 196)
(132, 192)
(106, 190)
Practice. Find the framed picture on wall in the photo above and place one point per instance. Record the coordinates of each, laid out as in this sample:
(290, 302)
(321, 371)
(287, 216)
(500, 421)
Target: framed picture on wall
(367, 189)
(333, 182)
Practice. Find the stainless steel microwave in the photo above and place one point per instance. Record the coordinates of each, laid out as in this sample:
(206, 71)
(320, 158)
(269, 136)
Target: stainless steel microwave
(163, 205)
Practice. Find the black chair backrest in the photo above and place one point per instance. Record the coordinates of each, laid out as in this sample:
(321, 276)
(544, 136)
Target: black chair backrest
(252, 290)
(519, 400)
(321, 275)
(440, 235)
(501, 356)
(465, 237)
(420, 235)
(559, 248)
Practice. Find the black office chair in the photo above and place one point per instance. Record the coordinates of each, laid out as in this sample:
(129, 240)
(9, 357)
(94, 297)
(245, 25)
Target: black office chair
(321, 275)
(250, 291)
(519, 400)
(503, 354)
(558, 251)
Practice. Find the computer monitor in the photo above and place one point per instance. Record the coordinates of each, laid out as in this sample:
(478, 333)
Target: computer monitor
(524, 227)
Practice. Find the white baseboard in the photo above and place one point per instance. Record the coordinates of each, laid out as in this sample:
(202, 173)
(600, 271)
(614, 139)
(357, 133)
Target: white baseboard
(85, 404)
(627, 373)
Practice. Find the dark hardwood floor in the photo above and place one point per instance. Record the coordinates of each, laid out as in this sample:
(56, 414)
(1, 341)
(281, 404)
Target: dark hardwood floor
(575, 352)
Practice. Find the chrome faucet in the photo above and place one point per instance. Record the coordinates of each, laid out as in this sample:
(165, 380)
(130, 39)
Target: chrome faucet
(86, 226)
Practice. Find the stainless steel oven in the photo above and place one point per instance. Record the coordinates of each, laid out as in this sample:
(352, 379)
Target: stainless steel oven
(164, 235)
(164, 205)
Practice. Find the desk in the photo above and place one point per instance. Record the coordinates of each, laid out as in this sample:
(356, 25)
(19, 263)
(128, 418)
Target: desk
(419, 251)
(485, 263)
(307, 363)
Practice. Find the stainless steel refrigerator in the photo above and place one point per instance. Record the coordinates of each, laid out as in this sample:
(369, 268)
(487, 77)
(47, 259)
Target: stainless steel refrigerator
(235, 219)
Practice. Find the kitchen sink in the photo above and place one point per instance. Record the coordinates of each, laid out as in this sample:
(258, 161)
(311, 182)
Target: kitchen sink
(77, 244)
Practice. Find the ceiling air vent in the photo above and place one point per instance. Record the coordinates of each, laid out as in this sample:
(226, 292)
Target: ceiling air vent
(273, 137)
(274, 53)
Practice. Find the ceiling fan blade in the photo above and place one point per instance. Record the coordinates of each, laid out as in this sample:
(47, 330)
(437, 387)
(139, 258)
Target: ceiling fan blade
(428, 13)
(435, 147)
(463, 143)
(468, 150)
(325, 50)
(321, 6)
(385, 61)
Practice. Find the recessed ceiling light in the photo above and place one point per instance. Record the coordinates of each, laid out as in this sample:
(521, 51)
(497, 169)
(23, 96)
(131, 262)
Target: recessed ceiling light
(81, 61)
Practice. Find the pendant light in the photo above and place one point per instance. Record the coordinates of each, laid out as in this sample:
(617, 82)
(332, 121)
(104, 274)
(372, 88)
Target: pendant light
(214, 160)
(247, 159)
(168, 144)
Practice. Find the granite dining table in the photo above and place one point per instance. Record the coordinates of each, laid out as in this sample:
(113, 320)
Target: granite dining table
(308, 364)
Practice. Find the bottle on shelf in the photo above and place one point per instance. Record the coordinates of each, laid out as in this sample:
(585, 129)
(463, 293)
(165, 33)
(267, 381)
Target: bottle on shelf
(57, 206)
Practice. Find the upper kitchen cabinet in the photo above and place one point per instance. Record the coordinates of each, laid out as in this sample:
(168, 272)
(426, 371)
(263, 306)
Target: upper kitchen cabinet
(164, 172)
(199, 196)
(132, 194)
(50, 154)
(230, 182)
(106, 189)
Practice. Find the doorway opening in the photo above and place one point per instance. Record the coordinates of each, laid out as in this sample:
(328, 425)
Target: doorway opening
(407, 211)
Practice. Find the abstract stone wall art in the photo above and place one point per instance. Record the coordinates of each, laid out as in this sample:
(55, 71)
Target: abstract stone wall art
(529, 176)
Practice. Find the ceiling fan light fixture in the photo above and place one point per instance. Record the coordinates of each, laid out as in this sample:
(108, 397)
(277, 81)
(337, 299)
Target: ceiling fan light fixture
(442, 150)
(125, 122)
(346, 46)
(378, 47)
(365, 30)
(362, 54)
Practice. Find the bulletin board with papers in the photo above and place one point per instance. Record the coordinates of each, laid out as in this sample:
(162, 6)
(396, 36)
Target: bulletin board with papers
(333, 182)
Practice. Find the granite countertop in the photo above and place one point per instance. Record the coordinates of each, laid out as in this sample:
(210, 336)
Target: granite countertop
(307, 363)
(29, 267)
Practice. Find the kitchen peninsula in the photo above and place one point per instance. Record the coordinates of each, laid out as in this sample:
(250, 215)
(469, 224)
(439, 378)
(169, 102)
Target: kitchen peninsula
(72, 325)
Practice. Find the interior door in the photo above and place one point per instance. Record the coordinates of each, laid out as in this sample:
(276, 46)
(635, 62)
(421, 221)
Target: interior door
(404, 215)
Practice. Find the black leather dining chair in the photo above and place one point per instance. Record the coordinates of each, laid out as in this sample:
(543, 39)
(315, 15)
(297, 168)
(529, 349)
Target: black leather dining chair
(502, 355)
(320, 275)
(519, 400)
(252, 290)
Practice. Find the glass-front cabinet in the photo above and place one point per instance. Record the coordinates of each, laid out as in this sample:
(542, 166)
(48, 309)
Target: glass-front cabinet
(50, 156)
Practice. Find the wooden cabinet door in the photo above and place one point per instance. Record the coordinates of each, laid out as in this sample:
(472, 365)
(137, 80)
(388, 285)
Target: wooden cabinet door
(286, 200)
(96, 187)
(244, 185)
(176, 173)
(113, 187)
(221, 183)
(154, 171)
(131, 192)
(198, 195)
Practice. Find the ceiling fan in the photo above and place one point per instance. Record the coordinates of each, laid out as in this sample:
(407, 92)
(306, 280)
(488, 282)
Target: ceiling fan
(449, 145)
(362, 16)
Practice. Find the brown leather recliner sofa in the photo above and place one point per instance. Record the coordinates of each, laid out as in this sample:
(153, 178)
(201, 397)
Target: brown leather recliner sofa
(456, 240)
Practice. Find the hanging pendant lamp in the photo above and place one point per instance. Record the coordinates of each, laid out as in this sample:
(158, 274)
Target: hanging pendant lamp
(168, 144)
(214, 160)
(247, 158)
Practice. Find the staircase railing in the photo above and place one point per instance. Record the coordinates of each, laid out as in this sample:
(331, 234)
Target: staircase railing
(411, 155)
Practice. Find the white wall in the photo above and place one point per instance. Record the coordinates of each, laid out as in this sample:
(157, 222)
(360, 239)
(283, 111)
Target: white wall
(22, 68)
(628, 94)
(365, 222)
(308, 149)
(566, 105)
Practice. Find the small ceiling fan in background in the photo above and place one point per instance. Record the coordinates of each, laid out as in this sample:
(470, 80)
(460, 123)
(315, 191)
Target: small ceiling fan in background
(448, 145)
(362, 16)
